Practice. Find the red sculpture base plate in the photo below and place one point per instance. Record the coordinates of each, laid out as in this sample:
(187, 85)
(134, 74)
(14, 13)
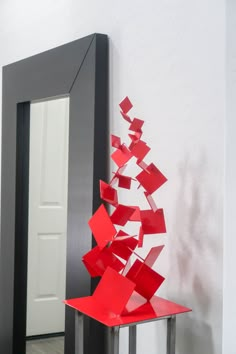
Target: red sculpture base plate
(152, 310)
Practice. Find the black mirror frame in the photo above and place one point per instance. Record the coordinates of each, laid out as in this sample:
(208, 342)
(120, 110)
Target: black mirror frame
(78, 69)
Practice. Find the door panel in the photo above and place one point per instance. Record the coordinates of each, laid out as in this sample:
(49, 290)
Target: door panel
(47, 216)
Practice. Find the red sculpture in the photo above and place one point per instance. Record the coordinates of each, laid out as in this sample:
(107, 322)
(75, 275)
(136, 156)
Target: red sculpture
(121, 280)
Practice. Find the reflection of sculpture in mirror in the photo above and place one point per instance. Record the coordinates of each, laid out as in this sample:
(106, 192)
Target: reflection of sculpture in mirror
(48, 185)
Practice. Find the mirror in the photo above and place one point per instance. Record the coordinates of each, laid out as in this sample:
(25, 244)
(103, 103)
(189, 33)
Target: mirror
(78, 70)
(47, 225)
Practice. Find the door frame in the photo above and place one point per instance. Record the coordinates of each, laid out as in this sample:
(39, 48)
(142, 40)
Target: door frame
(78, 69)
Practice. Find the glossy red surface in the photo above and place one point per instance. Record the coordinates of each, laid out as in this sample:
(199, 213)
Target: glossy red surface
(151, 179)
(129, 241)
(113, 291)
(136, 215)
(116, 174)
(108, 193)
(122, 214)
(140, 237)
(124, 181)
(139, 149)
(120, 250)
(126, 105)
(102, 227)
(136, 125)
(122, 277)
(97, 260)
(121, 235)
(115, 141)
(136, 136)
(121, 155)
(124, 247)
(146, 279)
(154, 309)
(153, 222)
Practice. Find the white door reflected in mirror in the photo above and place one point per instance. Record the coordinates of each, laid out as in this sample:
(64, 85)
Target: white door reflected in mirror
(47, 227)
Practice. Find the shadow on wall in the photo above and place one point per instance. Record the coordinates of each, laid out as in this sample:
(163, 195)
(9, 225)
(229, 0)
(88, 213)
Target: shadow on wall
(196, 259)
(195, 337)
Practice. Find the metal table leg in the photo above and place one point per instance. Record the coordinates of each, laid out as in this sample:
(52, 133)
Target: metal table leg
(113, 340)
(79, 333)
(171, 334)
(132, 340)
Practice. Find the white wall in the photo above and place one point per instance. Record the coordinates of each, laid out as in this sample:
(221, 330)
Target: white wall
(169, 57)
(229, 304)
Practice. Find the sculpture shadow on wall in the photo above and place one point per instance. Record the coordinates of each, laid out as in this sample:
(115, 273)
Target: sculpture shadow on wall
(196, 257)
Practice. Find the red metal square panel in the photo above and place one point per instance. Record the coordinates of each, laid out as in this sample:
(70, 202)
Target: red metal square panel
(121, 250)
(130, 242)
(90, 259)
(139, 149)
(151, 179)
(123, 247)
(102, 227)
(146, 279)
(115, 141)
(124, 181)
(107, 259)
(153, 222)
(97, 260)
(136, 125)
(121, 156)
(126, 105)
(108, 193)
(122, 214)
(113, 291)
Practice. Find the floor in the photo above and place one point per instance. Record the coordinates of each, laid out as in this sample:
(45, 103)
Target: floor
(45, 346)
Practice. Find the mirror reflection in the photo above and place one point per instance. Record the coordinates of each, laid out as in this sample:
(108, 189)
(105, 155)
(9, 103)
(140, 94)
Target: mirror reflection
(49, 129)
